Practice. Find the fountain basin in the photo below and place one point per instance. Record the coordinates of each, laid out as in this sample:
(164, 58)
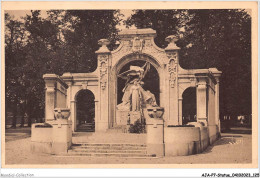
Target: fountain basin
(155, 112)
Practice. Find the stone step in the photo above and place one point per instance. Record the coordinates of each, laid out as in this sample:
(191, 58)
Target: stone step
(128, 150)
(107, 148)
(90, 137)
(108, 144)
(127, 155)
(105, 151)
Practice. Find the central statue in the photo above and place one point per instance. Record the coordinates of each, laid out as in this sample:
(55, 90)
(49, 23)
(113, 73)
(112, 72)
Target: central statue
(135, 98)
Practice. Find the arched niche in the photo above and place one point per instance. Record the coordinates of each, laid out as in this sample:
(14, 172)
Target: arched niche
(124, 63)
(189, 106)
(85, 111)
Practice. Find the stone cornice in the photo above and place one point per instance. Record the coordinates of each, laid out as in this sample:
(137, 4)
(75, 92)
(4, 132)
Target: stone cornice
(56, 78)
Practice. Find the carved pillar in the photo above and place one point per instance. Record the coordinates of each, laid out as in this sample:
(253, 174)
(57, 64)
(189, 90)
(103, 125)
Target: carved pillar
(104, 63)
(202, 98)
(172, 52)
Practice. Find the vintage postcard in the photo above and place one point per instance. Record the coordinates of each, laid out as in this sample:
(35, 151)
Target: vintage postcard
(129, 85)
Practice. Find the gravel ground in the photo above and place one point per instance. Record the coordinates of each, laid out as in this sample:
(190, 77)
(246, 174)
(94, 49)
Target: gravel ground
(230, 148)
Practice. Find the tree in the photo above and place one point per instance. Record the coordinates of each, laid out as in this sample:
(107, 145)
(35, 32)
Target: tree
(14, 45)
(209, 38)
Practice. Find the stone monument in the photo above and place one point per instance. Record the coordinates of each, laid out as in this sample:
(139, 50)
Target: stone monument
(166, 135)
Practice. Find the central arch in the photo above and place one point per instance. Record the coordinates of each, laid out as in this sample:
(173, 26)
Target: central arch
(116, 84)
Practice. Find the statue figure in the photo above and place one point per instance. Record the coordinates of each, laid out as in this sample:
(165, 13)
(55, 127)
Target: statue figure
(135, 97)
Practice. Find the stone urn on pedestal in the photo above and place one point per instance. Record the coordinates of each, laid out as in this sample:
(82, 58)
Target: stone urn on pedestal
(62, 131)
(155, 144)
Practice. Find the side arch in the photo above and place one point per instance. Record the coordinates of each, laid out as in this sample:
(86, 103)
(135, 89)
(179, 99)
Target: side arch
(85, 111)
(189, 105)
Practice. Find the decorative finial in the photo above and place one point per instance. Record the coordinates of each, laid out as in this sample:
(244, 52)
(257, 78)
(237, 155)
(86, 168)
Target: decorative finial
(103, 43)
(172, 45)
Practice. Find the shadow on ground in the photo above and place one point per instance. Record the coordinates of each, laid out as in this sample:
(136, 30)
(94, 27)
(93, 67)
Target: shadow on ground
(12, 134)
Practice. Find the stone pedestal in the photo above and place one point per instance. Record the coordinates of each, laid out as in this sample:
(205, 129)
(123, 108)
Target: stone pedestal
(121, 117)
(155, 145)
(61, 136)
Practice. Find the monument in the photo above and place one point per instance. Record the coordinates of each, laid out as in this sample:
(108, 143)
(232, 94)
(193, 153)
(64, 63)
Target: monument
(160, 111)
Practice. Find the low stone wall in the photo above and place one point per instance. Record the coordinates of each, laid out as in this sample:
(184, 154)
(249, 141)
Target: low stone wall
(204, 138)
(181, 141)
(56, 138)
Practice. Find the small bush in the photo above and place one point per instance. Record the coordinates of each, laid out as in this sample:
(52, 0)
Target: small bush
(137, 127)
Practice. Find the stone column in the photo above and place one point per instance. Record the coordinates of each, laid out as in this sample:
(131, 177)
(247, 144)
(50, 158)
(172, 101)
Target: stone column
(180, 111)
(73, 113)
(104, 64)
(201, 98)
(217, 120)
(97, 117)
(216, 73)
(172, 52)
(68, 79)
(50, 96)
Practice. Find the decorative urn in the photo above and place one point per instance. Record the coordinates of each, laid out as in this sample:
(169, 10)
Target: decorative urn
(62, 113)
(155, 112)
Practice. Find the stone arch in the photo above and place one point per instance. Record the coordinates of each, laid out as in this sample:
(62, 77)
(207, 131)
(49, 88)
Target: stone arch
(189, 106)
(85, 111)
(115, 71)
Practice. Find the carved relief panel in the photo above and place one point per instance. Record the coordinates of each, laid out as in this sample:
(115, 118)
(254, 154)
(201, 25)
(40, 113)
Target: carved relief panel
(103, 67)
(172, 67)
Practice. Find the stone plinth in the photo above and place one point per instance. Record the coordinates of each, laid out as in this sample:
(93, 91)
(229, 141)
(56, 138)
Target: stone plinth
(41, 139)
(61, 136)
(55, 139)
(121, 117)
(134, 116)
(155, 145)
